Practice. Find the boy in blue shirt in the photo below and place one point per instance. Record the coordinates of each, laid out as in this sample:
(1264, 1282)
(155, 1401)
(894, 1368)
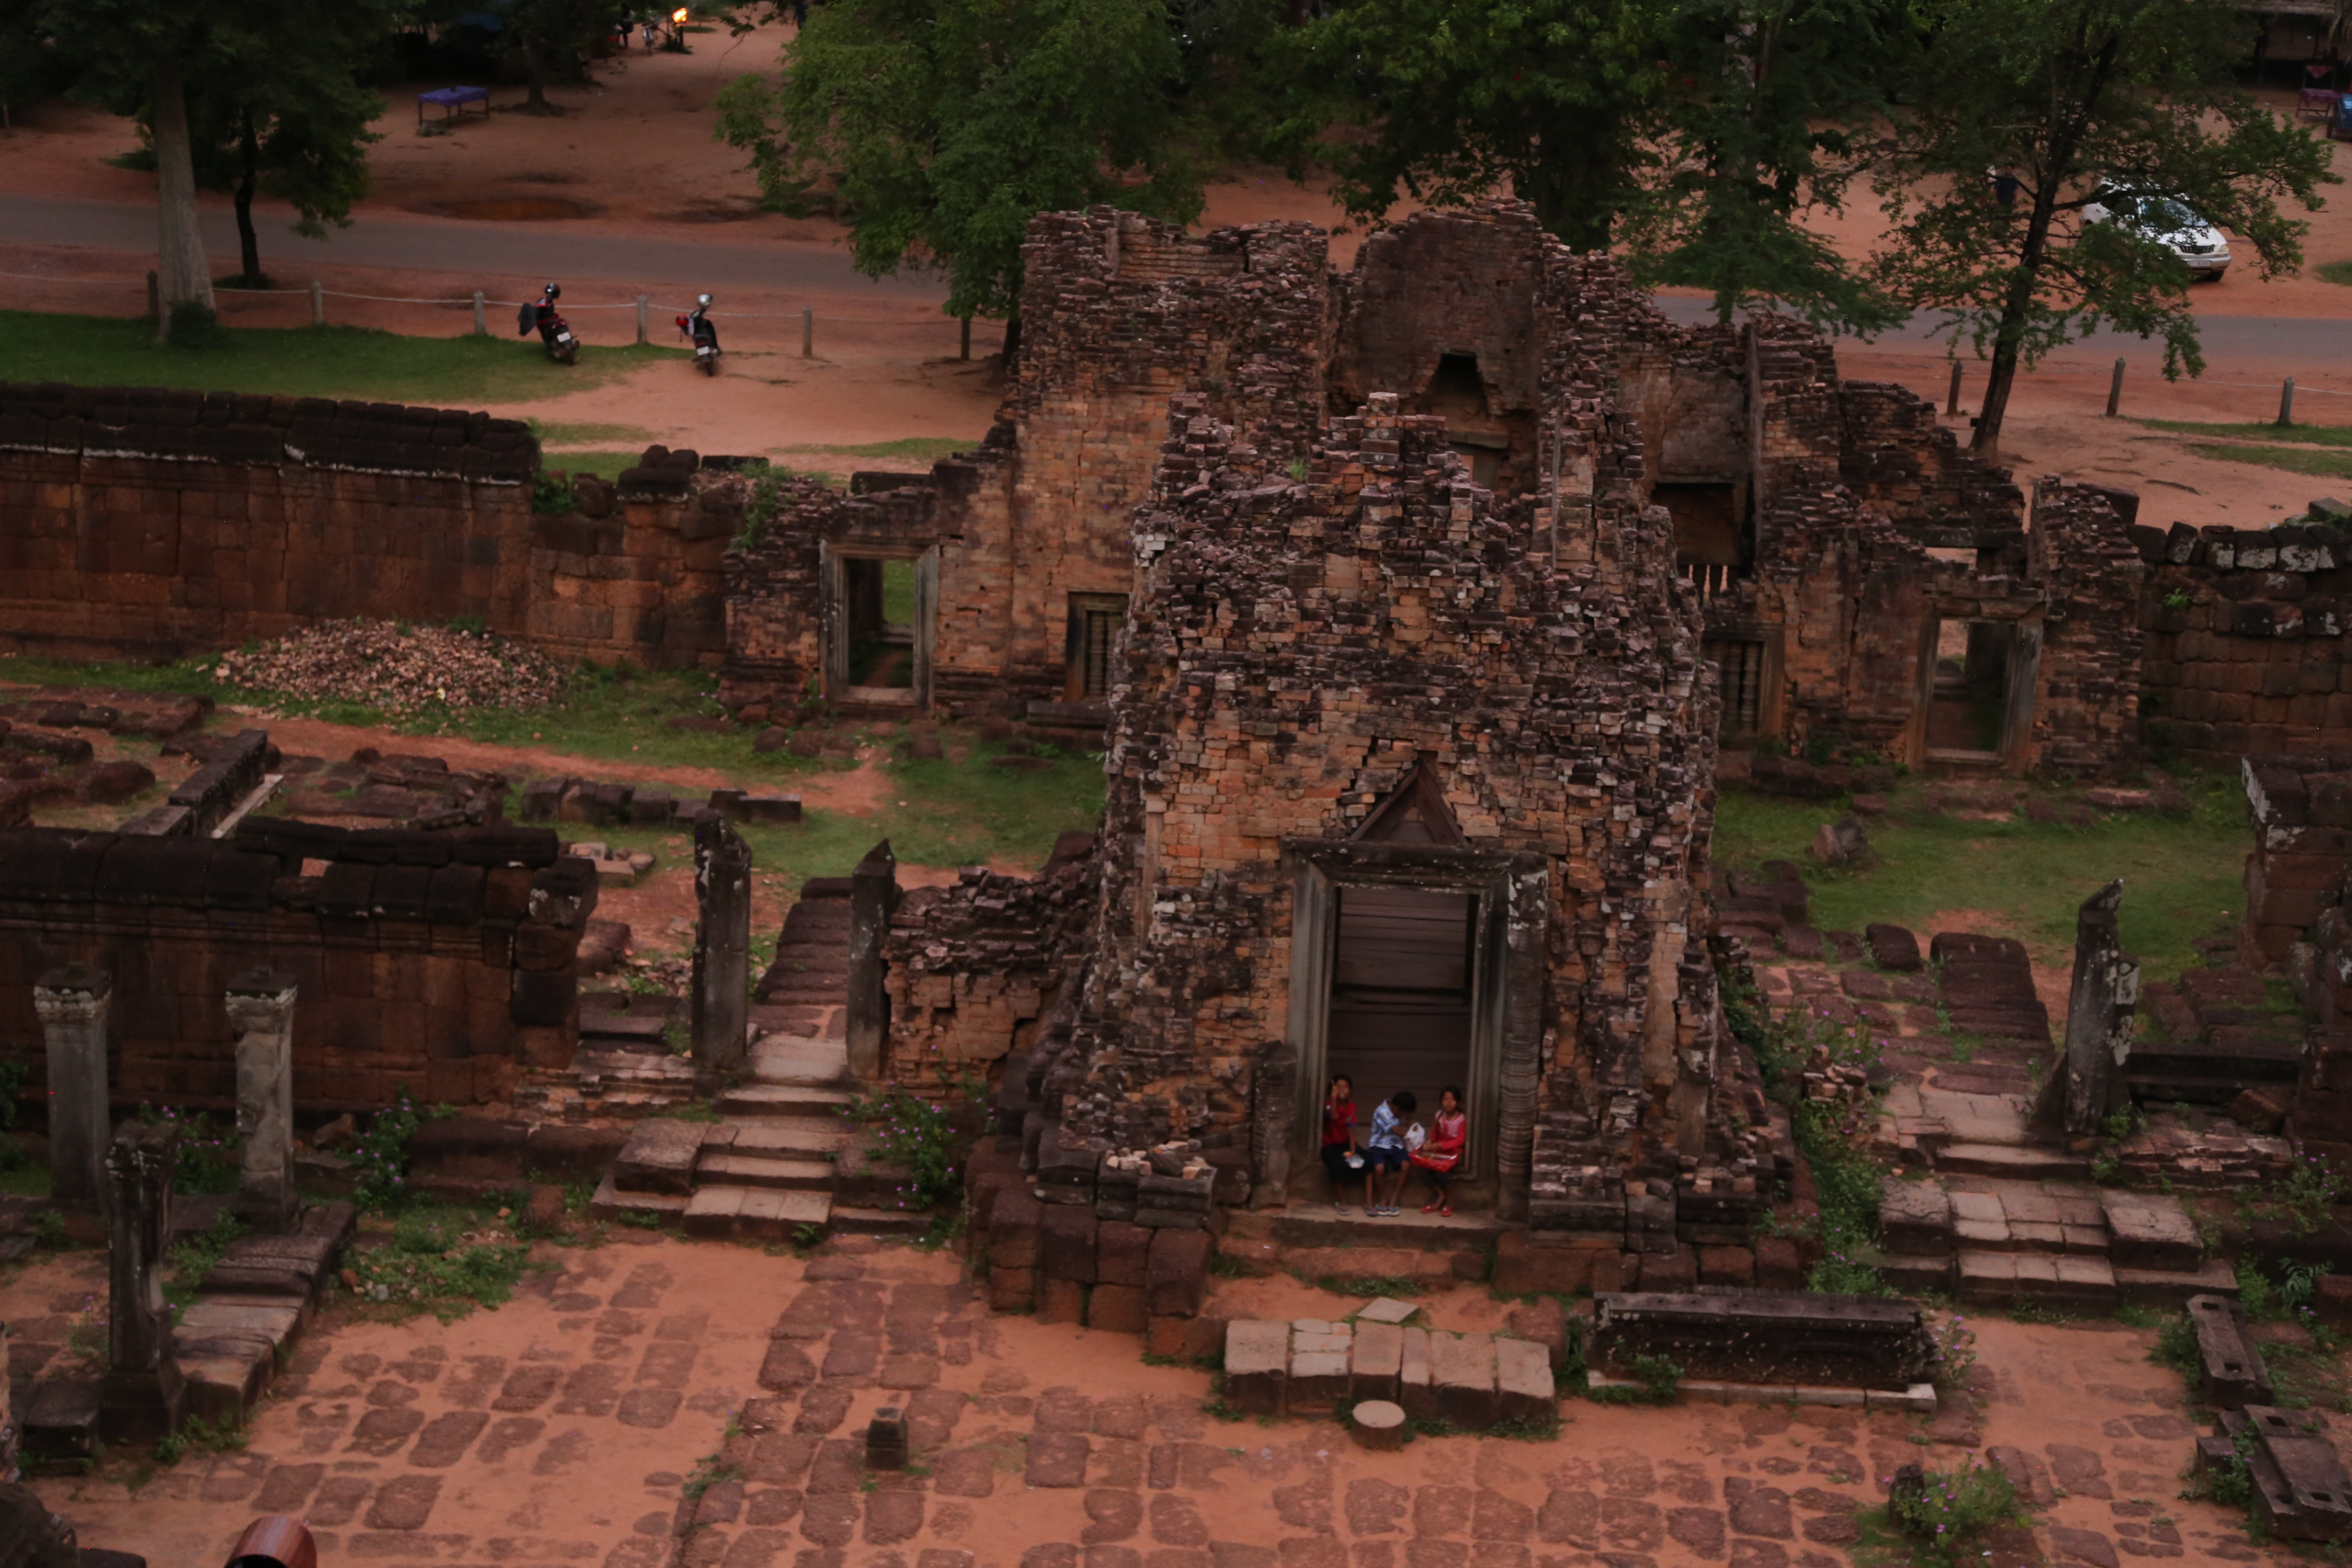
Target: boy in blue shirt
(1384, 1150)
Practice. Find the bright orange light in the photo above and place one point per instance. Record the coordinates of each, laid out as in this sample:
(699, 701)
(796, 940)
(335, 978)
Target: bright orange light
(679, 16)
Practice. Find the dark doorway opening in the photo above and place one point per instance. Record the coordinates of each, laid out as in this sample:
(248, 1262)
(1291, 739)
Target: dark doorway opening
(879, 599)
(1401, 974)
(1968, 710)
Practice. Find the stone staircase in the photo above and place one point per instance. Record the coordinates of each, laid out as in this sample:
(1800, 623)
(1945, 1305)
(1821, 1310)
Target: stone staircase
(780, 1161)
(2001, 1242)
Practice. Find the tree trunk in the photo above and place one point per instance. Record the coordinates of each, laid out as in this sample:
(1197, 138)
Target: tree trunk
(249, 243)
(183, 275)
(535, 65)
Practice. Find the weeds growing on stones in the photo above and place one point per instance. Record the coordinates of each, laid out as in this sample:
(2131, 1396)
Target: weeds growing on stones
(445, 1262)
(1947, 1515)
(907, 1131)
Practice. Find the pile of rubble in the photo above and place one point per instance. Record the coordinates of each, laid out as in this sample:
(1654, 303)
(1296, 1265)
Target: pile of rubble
(398, 668)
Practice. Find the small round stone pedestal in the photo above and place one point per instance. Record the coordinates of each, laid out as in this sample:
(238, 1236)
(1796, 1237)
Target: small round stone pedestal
(1378, 1425)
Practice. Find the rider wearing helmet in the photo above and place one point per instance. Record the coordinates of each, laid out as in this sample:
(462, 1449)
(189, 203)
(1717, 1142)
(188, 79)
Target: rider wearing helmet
(543, 315)
(699, 325)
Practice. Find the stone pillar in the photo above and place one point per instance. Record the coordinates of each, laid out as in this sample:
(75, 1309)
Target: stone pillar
(261, 1011)
(1274, 1123)
(722, 945)
(142, 1397)
(72, 1003)
(872, 899)
(2100, 1007)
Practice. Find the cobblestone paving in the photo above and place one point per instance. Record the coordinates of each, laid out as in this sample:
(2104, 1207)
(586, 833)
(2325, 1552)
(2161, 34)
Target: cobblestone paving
(568, 1425)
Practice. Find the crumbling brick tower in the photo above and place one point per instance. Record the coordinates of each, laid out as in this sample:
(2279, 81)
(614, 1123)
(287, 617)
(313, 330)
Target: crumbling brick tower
(1355, 683)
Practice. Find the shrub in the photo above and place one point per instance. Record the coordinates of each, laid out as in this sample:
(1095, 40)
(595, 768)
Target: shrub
(381, 1157)
(210, 1157)
(907, 1131)
(2302, 1200)
(552, 493)
(1947, 1513)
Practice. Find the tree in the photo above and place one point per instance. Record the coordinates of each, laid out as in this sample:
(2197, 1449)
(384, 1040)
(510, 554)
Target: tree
(133, 55)
(1448, 101)
(1695, 135)
(549, 36)
(292, 122)
(2064, 96)
(1768, 120)
(947, 125)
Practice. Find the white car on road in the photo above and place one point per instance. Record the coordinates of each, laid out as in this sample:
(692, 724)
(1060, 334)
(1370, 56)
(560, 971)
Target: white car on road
(2170, 221)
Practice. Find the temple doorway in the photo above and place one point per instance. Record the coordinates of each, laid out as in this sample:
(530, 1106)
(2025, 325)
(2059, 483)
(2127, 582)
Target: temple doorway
(1401, 973)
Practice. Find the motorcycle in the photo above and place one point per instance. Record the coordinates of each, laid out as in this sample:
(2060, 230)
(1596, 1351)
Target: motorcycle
(697, 327)
(553, 331)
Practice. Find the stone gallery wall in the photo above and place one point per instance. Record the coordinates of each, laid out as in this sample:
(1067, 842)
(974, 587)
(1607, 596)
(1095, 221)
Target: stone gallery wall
(154, 523)
(1857, 488)
(2245, 641)
(441, 963)
(134, 520)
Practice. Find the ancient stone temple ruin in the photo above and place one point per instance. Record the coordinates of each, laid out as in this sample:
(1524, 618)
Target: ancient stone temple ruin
(1411, 753)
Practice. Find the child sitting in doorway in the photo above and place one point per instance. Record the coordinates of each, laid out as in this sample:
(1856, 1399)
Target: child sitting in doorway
(1440, 1155)
(1384, 1153)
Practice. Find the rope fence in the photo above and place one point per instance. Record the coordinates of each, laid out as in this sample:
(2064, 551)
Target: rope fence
(643, 305)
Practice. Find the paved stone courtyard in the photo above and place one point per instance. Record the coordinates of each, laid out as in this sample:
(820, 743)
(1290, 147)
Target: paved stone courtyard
(567, 1427)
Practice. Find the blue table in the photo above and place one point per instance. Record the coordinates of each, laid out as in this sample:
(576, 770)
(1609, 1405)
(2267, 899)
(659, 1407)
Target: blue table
(453, 101)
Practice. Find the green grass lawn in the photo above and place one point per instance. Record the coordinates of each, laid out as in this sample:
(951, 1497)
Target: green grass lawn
(305, 362)
(2259, 430)
(952, 814)
(932, 447)
(2293, 459)
(2181, 874)
(2333, 271)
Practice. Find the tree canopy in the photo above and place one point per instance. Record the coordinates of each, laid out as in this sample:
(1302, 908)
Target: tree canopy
(2067, 96)
(946, 125)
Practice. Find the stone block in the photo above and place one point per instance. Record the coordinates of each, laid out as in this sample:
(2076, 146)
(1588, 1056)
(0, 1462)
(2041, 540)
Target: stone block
(1725, 1266)
(1118, 1309)
(1416, 1392)
(1525, 1393)
(1178, 1272)
(1066, 1244)
(1257, 1365)
(1462, 1372)
(1544, 1323)
(1375, 1361)
(1122, 1254)
(1014, 1223)
(1521, 1269)
(1060, 1301)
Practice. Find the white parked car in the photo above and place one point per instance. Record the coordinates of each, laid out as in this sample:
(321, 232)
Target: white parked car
(2170, 221)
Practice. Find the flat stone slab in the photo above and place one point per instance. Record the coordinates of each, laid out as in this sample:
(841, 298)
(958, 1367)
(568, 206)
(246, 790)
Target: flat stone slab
(1386, 1309)
(2151, 1230)
(659, 1156)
